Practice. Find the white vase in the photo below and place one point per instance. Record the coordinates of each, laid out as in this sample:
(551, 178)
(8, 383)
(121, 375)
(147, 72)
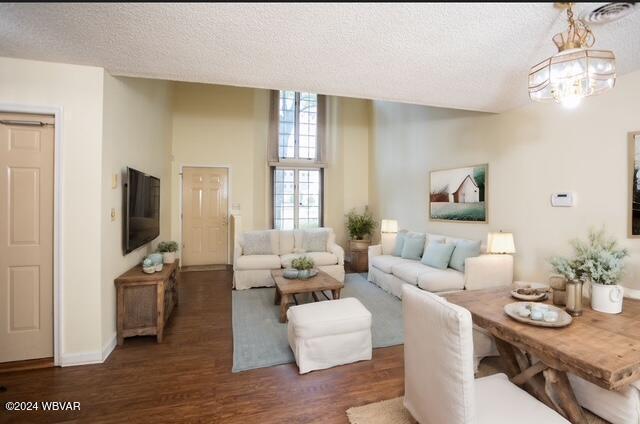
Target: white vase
(607, 298)
(168, 257)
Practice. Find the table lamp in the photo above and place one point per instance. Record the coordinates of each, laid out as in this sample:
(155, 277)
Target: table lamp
(388, 230)
(500, 243)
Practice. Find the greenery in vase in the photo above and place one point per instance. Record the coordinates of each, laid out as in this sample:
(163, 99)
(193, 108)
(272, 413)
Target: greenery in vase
(167, 246)
(302, 263)
(360, 226)
(599, 260)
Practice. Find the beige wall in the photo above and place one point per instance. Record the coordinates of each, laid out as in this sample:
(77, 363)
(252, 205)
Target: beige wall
(346, 178)
(532, 152)
(78, 91)
(228, 126)
(217, 125)
(137, 133)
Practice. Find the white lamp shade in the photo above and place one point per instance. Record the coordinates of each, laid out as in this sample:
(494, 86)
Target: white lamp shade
(500, 243)
(389, 226)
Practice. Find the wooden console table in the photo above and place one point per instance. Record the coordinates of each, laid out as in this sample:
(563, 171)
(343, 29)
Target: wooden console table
(145, 301)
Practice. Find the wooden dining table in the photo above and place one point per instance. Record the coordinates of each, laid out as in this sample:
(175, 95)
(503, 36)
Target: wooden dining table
(601, 348)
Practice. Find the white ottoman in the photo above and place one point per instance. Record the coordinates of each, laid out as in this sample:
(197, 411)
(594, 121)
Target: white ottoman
(325, 334)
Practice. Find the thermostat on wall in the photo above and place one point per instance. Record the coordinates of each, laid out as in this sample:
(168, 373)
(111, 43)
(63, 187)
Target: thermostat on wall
(564, 199)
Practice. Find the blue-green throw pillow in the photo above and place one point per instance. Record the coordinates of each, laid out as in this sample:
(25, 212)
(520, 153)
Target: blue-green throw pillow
(412, 248)
(464, 249)
(397, 250)
(438, 255)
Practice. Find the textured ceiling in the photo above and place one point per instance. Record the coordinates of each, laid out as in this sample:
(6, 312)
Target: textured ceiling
(465, 55)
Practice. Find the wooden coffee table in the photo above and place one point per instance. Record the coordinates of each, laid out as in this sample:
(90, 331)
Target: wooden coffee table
(287, 289)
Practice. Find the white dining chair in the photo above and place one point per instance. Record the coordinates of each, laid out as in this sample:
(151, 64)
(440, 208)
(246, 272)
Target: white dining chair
(439, 382)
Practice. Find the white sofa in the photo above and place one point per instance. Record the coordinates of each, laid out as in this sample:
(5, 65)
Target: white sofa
(255, 270)
(392, 272)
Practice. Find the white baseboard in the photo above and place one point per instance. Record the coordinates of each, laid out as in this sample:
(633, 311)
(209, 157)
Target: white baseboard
(86, 358)
(108, 348)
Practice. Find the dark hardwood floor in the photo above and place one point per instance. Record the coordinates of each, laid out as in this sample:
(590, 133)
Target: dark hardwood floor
(188, 377)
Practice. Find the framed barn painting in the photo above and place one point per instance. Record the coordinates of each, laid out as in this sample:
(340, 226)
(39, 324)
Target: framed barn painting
(634, 184)
(459, 194)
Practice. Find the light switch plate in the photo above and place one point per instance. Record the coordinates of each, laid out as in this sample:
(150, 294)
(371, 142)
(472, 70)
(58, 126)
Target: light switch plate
(114, 181)
(113, 214)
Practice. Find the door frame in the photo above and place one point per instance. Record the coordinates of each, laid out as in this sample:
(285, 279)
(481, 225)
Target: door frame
(58, 196)
(229, 204)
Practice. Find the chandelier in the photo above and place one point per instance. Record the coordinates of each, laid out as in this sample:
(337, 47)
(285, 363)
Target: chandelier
(576, 71)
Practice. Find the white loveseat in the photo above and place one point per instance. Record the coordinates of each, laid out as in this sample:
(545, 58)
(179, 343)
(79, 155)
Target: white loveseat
(392, 272)
(255, 270)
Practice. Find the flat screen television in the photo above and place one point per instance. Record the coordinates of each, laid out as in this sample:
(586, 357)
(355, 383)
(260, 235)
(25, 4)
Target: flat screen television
(141, 209)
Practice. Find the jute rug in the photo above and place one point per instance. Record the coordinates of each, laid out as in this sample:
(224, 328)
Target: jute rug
(393, 412)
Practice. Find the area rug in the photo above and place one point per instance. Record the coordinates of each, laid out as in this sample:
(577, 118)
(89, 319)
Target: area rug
(392, 411)
(260, 340)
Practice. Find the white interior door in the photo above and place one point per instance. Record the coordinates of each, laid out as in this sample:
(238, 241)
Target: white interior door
(26, 236)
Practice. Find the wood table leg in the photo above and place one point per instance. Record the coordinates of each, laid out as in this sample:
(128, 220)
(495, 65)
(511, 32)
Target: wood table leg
(336, 293)
(315, 297)
(508, 358)
(566, 398)
(276, 301)
(284, 305)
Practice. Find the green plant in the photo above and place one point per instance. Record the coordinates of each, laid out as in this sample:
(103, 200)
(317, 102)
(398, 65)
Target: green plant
(360, 225)
(598, 260)
(167, 246)
(302, 263)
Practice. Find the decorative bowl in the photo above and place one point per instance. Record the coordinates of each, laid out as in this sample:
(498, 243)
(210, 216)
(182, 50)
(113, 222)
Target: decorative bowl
(158, 267)
(529, 294)
(305, 274)
(541, 311)
(149, 269)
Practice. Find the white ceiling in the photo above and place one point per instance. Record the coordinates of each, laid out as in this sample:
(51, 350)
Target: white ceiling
(466, 55)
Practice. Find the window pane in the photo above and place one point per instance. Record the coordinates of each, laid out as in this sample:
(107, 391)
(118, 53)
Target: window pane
(296, 207)
(286, 140)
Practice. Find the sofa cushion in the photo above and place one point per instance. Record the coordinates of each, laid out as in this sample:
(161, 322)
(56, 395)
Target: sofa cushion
(385, 262)
(287, 242)
(245, 262)
(397, 249)
(409, 271)
(321, 319)
(412, 249)
(438, 255)
(319, 258)
(315, 240)
(437, 280)
(464, 249)
(265, 242)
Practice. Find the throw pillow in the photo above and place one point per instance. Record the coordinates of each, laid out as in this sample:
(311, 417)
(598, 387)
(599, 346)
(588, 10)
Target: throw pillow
(412, 248)
(438, 255)
(464, 249)
(397, 250)
(315, 240)
(257, 243)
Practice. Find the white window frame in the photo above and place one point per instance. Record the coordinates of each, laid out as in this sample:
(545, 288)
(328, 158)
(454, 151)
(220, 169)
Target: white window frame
(296, 129)
(296, 193)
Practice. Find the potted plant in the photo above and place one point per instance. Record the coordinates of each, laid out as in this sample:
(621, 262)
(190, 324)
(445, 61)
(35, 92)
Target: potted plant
(168, 250)
(598, 263)
(304, 265)
(360, 228)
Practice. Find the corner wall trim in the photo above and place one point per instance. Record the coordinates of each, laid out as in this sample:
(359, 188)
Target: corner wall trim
(108, 348)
